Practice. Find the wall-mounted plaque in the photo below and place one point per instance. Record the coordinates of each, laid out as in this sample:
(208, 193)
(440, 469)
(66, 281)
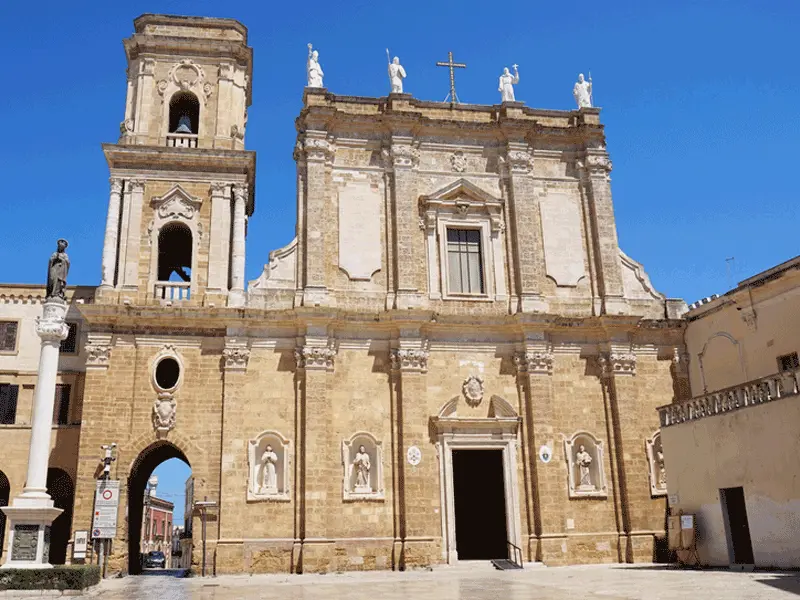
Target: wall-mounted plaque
(26, 542)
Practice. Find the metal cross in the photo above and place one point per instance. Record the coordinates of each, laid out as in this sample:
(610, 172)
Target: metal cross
(452, 65)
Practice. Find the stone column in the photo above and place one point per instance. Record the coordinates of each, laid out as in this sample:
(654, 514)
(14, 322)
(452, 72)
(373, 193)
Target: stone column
(129, 270)
(595, 169)
(319, 455)
(112, 233)
(526, 232)
(219, 250)
(409, 244)
(236, 295)
(32, 512)
(539, 419)
(417, 522)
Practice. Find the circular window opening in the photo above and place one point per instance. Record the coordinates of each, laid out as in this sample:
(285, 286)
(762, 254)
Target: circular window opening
(167, 373)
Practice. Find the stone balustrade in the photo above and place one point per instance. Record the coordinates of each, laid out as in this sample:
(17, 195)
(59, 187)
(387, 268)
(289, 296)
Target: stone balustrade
(182, 140)
(173, 291)
(729, 399)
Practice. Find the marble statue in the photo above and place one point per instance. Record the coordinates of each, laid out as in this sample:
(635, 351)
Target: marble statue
(313, 69)
(662, 472)
(396, 75)
(269, 476)
(583, 92)
(584, 460)
(362, 466)
(507, 83)
(57, 270)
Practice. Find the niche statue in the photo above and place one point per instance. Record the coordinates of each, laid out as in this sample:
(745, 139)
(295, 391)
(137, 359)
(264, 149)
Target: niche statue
(57, 269)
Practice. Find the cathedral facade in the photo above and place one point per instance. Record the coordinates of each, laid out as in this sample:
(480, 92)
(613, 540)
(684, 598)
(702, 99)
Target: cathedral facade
(452, 360)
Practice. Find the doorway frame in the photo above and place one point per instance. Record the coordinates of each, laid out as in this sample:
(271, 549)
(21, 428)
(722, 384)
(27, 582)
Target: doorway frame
(465, 433)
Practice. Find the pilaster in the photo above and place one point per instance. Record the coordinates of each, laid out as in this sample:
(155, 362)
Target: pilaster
(236, 295)
(111, 234)
(129, 270)
(220, 239)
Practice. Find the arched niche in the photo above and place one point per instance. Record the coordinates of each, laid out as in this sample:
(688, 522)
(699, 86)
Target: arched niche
(269, 468)
(585, 470)
(362, 462)
(655, 460)
(721, 362)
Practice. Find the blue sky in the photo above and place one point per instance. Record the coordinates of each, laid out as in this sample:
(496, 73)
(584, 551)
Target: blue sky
(700, 103)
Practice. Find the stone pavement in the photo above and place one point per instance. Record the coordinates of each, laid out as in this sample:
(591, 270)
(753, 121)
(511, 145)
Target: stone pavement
(477, 581)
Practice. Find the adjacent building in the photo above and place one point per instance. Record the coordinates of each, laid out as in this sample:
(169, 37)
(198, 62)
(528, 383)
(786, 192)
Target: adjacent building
(730, 451)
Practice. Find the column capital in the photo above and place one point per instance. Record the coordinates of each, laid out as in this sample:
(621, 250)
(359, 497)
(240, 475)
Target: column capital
(410, 360)
(596, 164)
(318, 149)
(98, 356)
(236, 358)
(534, 362)
(315, 358)
(403, 155)
(135, 185)
(218, 188)
(240, 191)
(51, 326)
(116, 185)
(616, 363)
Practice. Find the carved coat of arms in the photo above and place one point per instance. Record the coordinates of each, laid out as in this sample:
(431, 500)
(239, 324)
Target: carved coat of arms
(164, 408)
(473, 390)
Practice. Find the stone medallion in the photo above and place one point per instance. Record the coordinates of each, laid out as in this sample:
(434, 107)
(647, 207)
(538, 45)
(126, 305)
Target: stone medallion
(473, 390)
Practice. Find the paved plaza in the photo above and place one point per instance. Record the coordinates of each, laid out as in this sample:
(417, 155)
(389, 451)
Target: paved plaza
(474, 581)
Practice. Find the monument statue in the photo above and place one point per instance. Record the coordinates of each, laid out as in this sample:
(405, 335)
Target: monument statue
(313, 69)
(583, 92)
(507, 83)
(57, 270)
(362, 466)
(584, 460)
(269, 477)
(396, 74)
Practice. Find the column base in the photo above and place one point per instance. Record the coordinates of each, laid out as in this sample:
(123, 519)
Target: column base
(29, 521)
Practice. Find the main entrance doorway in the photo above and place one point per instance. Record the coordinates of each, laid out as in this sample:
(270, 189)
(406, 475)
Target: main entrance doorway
(480, 504)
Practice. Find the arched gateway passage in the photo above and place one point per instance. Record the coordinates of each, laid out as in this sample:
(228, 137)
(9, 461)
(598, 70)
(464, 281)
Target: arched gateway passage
(142, 468)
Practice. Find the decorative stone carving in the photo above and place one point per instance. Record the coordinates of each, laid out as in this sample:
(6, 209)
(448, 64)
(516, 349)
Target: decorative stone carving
(582, 92)
(268, 456)
(98, 356)
(236, 358)
(126, 126)
(617, 363)
(749, 317)
(585, 472)
(315, 357)
(396, 75)
(318, 149)
(458, 161)
(655, 460)
(362, 459)
(539, 362)
(147, 66)
(164, 412)
(177, 203)
(404, 156)
(186, 74)
(519, 161)
(313, 69)
(506, 84)
(472, 388)
(680, 362)
(597, 165)
(51, 327)
(410, 359)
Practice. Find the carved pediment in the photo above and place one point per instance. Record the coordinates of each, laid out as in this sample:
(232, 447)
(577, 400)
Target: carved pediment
(176, 204)
(462, 199)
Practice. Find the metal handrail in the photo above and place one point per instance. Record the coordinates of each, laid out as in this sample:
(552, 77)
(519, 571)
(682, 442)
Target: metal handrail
(516, 553)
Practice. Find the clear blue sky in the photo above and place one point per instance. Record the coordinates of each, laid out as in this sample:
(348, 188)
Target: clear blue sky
(700, 102)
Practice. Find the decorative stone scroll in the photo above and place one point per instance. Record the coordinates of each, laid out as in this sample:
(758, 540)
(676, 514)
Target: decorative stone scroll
(177, 203)
(269, 468)
(410, 359)
(362, 462)
(315, 357)
(585, 472)
(655, 460)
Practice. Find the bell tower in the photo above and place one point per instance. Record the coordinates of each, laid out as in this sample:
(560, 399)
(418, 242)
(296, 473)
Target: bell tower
(182, 184)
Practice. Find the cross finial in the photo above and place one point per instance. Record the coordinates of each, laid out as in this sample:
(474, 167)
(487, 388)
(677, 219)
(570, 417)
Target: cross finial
(451, 65)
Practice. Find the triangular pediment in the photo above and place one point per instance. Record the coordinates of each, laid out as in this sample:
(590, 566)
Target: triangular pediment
(177, 203)
(460, 190)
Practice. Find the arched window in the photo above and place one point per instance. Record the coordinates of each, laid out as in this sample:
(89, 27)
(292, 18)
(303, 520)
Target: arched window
(184, 113)
(175, 253)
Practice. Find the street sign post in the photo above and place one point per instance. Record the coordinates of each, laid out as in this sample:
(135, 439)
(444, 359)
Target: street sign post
(106, 506)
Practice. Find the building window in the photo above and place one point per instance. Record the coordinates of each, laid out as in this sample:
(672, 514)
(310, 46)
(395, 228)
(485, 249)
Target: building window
(70, 344)
(788, 362)
(8, 336)
(61, 406)
(464, 261)
(8, 403)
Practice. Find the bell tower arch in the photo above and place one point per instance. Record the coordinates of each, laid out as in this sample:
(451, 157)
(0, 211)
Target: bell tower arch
(181, 180)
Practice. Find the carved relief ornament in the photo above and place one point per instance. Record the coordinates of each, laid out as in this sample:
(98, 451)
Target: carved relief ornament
(315, 357)
(458, 161)
(472, 388)
(404, 156)
(98, 356)
(534, 362)
(411, 359)
(176, 204)
(519, 161)
(617, 363)
(236, 358)
(164, 412)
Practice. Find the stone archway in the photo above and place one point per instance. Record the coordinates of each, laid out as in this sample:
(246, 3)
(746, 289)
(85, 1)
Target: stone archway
(497, 431)
(141, 469)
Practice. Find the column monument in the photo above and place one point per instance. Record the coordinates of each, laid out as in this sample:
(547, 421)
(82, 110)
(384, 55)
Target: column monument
(32, 512)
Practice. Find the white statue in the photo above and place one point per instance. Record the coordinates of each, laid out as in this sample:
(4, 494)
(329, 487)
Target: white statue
(507, 83)
(583, 92)
(396, 75)
(584, 460)
(313, 69)
(269, 477)
(362, 466)
(662, 472)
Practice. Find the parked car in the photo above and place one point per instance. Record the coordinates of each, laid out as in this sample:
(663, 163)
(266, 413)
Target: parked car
(155, 559)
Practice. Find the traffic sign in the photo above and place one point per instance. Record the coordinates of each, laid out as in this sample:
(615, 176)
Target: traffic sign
(106, 506)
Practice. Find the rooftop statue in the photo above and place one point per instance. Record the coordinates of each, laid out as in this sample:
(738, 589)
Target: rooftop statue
(313, 70)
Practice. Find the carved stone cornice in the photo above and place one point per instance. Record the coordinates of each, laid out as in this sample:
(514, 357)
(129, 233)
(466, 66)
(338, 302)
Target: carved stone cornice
(98, 356)
(318, 358)
(534, 362)
(236, 358)
(617, 363)
(410, 360)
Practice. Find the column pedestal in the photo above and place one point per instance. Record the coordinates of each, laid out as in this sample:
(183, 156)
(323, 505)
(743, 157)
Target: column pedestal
(32, 512)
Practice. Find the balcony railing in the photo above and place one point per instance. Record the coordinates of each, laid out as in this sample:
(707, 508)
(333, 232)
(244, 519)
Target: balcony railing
(182, 140)
(173, 291)
(733, 398)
